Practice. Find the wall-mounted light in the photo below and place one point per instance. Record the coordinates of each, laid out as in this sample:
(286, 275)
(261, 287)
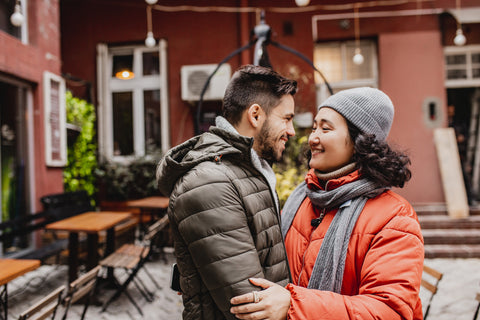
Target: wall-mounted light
(124, 74)
(150, 2)
(17, 17)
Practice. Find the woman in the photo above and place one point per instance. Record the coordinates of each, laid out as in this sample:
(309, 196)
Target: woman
(355, 247)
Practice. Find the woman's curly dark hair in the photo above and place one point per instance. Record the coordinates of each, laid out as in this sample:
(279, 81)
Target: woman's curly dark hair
(377, 161)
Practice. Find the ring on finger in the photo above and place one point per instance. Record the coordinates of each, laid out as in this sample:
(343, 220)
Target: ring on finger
(256, 297)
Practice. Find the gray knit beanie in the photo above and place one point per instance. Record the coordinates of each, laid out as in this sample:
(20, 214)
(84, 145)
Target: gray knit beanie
(369, 109)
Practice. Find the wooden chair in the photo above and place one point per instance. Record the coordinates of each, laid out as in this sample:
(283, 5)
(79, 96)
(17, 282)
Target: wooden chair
(431, 286)
(83, 287)
(45, 307)
(131, 258)
(478, 306)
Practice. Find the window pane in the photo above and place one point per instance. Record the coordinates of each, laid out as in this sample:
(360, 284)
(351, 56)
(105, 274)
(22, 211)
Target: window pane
(456, 59)
(151, 100)
(456, 74)
(122, 63)
(151, 63)
(476, 73)
(475, 57)
(122, 123)
(362, 71)
(328, 59)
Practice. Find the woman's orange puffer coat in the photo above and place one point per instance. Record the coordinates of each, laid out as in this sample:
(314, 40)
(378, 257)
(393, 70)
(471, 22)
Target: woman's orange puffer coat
(383, 266)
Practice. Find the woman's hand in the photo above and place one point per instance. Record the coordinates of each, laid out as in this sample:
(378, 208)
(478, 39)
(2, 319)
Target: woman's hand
(273, 302)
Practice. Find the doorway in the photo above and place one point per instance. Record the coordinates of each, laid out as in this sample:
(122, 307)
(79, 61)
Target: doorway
(14, 185)
(464, 117)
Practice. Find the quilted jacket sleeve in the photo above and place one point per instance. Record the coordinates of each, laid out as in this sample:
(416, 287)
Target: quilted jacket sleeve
(214, 248)
(389, 281)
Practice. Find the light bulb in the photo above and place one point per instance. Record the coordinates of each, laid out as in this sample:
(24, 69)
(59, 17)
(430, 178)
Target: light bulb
(17, 17)
(302, 3)
(150, 40)
(459, 39)
(151, 1)
(358, 57)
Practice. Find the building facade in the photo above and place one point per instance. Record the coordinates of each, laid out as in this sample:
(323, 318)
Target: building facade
(31, 106)
(146, 93)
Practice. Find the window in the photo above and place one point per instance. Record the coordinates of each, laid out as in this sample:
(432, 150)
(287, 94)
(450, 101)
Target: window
(462, 66)
(133, 106)
(334, 60)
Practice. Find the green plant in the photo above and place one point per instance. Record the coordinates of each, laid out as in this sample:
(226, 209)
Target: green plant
(82, 151)
(132, 180)
(290, 172)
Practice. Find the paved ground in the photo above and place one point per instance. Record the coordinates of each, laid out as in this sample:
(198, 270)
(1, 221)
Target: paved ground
(454, 300)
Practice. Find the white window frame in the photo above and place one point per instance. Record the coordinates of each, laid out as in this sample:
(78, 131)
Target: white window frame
(467, 51)
(24, 27)
(50, 115)
(321, 88)
(107, 85)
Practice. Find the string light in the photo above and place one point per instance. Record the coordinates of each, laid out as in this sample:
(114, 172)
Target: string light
(310, 8)
(459, 39)
(150, 40)
(17, 17)
(302, 3)
(358, 57)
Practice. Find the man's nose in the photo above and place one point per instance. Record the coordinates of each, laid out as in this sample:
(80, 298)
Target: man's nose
(290, 129)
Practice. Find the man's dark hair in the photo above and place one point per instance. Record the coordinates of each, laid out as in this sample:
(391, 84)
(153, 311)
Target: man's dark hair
(254, 84)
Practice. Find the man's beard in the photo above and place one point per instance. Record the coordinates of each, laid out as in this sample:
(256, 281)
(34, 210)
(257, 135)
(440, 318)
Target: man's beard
(266, 143)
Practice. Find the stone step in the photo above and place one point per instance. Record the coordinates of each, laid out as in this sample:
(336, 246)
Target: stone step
(452, 251)
(442, 210)
(445, 222)
(451, 236)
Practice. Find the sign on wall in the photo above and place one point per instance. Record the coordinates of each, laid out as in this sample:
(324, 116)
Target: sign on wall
(55, 120)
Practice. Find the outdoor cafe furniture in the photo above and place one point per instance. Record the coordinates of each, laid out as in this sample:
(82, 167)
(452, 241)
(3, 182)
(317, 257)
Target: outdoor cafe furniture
(9, 270)
(44, 308)
(131, 258)
(91, 223)
(153, 205)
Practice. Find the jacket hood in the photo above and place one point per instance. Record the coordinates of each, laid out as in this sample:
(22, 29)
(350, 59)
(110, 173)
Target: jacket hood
(205, 147)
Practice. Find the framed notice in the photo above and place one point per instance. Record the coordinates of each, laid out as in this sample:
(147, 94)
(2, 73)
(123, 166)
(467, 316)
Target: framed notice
(55, 120)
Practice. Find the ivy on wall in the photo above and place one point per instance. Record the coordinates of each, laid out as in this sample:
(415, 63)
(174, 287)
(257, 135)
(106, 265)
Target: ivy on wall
(82, 149)
(291, 171)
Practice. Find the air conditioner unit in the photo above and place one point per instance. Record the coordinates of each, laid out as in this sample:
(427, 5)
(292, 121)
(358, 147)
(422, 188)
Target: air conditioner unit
(194, 78)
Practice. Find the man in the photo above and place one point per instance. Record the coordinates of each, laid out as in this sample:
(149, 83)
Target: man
(223, 208)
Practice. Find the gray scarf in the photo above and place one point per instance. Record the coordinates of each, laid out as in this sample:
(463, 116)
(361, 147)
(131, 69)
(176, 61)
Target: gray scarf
(327, 273)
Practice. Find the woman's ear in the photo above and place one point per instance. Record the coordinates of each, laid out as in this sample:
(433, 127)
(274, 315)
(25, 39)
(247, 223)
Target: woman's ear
(255, 115)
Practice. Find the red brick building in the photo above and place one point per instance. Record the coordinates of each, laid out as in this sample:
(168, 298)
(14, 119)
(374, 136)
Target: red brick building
(408, 49)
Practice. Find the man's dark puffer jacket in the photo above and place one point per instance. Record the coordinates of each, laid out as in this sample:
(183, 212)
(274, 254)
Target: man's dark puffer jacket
(224, 221)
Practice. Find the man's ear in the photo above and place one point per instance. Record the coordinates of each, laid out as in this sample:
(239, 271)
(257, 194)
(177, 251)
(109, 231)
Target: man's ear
(255, 115)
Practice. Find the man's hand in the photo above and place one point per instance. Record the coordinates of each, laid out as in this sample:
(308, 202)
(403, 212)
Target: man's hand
(273, 302)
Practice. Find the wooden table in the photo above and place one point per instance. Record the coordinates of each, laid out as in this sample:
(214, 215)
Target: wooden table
(151, 204)
(9, 270)
(91, 223)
